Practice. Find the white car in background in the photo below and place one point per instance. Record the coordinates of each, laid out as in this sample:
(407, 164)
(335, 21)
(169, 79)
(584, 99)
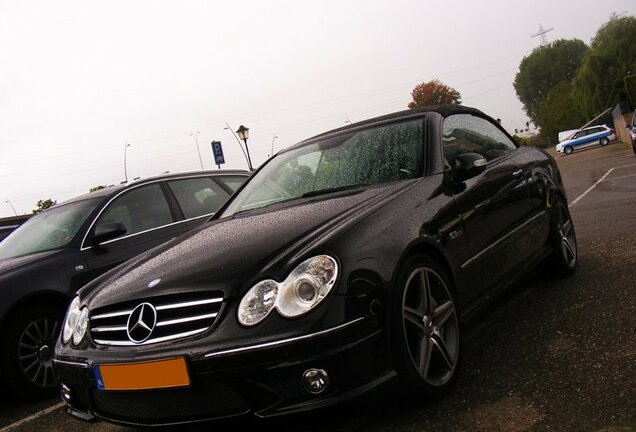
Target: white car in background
(595, 135)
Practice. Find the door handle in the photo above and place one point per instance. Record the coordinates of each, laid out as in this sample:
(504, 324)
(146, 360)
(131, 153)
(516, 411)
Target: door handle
(517, 174)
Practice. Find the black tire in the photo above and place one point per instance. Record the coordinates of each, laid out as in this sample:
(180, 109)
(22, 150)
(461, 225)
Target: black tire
(564, 257)
(604, 141)
(27, 350)
(425, 329)
(634, 146)
(568, 150)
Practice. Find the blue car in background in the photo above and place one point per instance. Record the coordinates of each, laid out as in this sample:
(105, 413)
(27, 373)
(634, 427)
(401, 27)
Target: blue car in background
(584, 138)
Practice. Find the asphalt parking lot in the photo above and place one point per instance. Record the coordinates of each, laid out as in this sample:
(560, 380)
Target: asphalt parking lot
(549, 355)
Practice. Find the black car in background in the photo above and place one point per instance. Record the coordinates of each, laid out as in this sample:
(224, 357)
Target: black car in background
(48, 258)
(347, 260)
(9, 224)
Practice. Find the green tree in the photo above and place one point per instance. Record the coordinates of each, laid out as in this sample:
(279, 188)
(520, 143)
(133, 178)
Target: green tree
(433, 92)
(96, 188)
(543, 69)
(600, 81)
(559, 111)
(43, 205)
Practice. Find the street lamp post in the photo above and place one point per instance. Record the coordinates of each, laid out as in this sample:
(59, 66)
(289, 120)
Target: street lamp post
(244, 134)
(12, 208)
(125, 167)
(237, 140)
(195, 135)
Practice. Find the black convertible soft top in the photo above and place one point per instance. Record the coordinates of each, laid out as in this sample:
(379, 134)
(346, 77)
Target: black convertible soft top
(443, 110)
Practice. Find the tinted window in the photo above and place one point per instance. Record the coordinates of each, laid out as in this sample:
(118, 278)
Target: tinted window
(52, 229)
(233, 182)
(371, 156)
(198, 196)
(464, 133)
(139, 210)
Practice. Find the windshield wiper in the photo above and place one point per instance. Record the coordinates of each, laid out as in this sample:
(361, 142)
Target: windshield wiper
(334, 189)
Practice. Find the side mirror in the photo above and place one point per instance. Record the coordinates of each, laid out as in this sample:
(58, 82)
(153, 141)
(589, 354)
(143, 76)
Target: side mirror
(466, 166)
(108, 231)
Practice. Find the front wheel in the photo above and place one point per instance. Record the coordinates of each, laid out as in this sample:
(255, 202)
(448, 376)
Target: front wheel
(568, 150)
(426, 329)
(27, 352)
(562, 261)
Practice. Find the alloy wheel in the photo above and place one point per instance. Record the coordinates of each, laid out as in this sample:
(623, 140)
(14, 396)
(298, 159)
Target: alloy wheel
(568, 239)
(431, 327)
(35, 352)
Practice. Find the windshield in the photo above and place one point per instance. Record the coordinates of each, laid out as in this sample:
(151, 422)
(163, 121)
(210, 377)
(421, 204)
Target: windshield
(373, 156)
(52, 229)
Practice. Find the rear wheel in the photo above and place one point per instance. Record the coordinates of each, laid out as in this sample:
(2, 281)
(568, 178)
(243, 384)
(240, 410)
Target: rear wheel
(27, 351)
(568, 150)
(562, 261)
(604, 141)
(425, 328)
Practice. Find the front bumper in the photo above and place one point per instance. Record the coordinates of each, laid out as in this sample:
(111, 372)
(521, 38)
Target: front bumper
(263, 379)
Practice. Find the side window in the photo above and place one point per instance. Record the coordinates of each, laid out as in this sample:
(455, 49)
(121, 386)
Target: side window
(139, 210)
(198, 196)
(579, 134)
(233, 182)
(465, 133)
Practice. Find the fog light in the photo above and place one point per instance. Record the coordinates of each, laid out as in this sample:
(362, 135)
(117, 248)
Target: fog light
(65, 393)
(316, 381)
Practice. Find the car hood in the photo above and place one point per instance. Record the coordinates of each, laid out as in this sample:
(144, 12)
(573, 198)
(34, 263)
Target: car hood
(11, 264)
(233, 253)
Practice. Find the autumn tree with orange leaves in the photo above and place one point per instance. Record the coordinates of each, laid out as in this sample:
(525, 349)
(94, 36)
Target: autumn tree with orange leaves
(434, 92)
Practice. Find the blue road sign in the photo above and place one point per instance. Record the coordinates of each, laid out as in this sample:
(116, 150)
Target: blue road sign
(217, 150)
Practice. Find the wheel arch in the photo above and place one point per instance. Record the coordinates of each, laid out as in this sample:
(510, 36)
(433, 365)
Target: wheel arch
(432, 249)
(36, 299)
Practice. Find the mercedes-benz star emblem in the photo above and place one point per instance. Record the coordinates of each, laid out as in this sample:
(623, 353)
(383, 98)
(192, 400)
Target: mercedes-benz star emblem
(141, 322)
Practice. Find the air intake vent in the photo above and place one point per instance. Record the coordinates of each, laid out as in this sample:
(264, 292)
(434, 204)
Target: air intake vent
(155, 320)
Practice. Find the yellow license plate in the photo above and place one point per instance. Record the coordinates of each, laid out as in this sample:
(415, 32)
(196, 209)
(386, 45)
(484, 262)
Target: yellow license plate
(143, 375)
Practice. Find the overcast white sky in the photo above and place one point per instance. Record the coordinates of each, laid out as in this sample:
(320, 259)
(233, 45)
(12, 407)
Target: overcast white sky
(79, 78)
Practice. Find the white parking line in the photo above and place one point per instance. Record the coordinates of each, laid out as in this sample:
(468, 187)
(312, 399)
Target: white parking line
(32, 417)
(621, 177)
(580, 197)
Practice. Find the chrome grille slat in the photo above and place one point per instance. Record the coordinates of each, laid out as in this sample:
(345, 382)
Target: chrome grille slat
(109, 329)
(151, 341)
(111, 315)
(177, 316)
(188, 304)
(184, 320)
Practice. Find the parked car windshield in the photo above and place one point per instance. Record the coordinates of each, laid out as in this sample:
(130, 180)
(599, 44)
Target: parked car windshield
(367, 157)
(51, 229)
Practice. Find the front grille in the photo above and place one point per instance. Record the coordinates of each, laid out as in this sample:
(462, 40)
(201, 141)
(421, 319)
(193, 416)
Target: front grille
(177, 316)
(79, 398)
(164, 406)
(287, 383)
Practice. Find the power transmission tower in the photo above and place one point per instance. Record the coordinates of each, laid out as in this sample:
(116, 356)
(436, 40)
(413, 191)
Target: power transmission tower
(541, 33)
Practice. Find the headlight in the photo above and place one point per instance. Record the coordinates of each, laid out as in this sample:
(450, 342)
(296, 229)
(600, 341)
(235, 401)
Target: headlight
(75, 323)
(305, 287)
(258, 303)
(72, 314)
(80, 326)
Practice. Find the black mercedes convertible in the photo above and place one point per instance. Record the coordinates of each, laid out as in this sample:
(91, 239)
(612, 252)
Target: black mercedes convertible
(345, 261)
